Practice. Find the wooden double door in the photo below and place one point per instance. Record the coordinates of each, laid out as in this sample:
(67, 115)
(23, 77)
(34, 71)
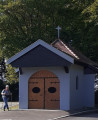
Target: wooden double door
(44, 93)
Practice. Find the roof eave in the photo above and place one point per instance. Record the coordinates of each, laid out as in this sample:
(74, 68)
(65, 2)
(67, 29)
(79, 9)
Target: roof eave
(44, 44)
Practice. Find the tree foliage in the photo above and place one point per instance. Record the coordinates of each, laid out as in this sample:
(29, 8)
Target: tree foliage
(90, 14)
(24, 21)
(11, 76)
(7, 73)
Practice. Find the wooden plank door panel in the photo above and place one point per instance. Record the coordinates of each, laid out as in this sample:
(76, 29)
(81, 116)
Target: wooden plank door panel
(36, 93)
(52, 93)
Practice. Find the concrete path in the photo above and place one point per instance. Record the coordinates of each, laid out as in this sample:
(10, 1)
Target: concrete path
(43, 115)
(38, 114)
(30, 114)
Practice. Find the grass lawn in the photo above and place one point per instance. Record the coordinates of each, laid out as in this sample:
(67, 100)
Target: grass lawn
(15, 107)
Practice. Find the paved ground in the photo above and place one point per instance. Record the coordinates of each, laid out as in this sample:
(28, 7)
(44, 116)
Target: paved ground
(43, 115)
(30, 115)
(90, 116)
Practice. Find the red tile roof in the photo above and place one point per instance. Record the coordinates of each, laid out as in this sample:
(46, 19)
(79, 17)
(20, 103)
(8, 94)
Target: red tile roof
(60, 45)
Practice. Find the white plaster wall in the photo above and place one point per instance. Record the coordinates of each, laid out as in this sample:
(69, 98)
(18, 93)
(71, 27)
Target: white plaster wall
(76, 96)
(89, 100)
(84, 96)
(64, 86)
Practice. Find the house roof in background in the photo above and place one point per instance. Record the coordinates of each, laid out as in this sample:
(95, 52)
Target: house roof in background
(58, 44)
(78, 56)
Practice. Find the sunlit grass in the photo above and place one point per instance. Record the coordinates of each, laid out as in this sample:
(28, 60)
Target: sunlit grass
(15, 107)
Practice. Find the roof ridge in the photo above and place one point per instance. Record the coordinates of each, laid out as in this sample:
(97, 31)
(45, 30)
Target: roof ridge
(55, 41)
(69, 49)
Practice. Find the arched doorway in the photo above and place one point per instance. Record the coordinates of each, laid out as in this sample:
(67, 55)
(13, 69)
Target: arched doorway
(43, 91)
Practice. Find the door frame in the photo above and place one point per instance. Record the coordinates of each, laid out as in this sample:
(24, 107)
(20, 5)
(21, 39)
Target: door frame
(35, 75)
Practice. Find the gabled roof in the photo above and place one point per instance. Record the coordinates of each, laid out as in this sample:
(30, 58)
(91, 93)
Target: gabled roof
(58, 44)
(58, 48)
(78, 57)
(44, 44)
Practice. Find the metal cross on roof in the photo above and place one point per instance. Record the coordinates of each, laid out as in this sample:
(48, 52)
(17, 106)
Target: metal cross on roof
(58, 28)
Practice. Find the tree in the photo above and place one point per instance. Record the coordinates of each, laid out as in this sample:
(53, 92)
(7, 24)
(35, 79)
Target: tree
(90, 15)
(11, 75)
(7, 73)
(2, 68)
(24, 21)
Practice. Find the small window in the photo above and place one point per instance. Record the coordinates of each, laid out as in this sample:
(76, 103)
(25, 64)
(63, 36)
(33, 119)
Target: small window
(77, 82)
(36, 90)
(52, 89)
